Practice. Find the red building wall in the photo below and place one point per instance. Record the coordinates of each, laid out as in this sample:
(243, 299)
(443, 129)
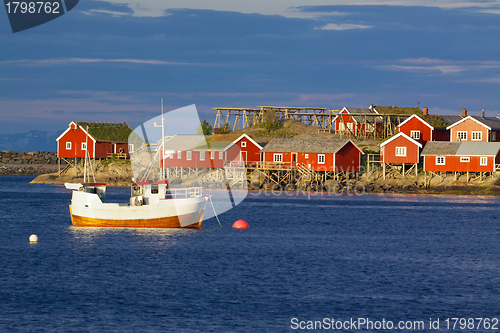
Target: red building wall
(76, 136)
(415, 124)
(389, 151)
(469, 125)
(453, 163)
(347, 159)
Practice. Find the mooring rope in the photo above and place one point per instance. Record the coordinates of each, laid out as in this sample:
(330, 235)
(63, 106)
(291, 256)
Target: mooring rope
(210, 197)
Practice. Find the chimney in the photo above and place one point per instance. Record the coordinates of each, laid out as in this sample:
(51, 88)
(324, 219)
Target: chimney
(216, 131)
(483, 113)
(464, 113)
(426, 111)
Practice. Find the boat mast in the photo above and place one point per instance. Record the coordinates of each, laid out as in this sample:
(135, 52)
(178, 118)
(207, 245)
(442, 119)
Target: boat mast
(86, 155)
(162, 143)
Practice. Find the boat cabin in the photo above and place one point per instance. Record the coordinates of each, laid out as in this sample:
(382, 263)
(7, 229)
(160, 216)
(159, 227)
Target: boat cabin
(148, 193)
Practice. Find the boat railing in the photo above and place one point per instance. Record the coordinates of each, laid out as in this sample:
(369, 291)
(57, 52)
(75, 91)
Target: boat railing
(188, 192)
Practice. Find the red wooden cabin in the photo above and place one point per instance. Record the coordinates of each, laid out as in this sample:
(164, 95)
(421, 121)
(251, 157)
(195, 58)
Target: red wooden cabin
(461, 156)
(101, 140)
(475, 129)
(417, 129)
(400, 149)
(198, 151)
(244, 149)
(316, 154)
(358, 124)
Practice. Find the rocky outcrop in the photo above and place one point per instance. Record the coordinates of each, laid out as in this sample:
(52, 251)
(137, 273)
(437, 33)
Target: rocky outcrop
(29, 157)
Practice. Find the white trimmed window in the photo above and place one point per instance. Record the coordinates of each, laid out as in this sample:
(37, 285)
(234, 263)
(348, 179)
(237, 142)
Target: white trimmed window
(130, 147)
(415, 135)
(221, 155)
(212, 155)
(321, 159)
(188, 155)
(477, 135)
(306, 155)
(440, 160)
(483, 161)
(84, 146)
(68, 145)
(461, 135)
(179, 154)
(401, 151)
(464, 159)
(243, 143)
(278, 157)
(202, 155)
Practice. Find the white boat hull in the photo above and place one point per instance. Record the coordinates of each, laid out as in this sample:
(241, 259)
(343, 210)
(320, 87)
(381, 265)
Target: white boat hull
(87, 210)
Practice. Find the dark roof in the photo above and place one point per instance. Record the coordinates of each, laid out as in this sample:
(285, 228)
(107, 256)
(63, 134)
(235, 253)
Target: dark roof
(184, 142)
(492, 122)
(367, 111)
(440, 148)
(107, 132)
(451, 119)
(291, 145)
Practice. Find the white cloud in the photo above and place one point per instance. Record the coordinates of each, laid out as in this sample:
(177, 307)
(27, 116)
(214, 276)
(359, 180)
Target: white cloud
(335, 26)
(93, 11)
(286, 8)
(92, 60)
(439, 65)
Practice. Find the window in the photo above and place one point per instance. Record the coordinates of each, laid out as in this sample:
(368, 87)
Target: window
(494, 136)
(221, 155)
(188, 155)
(476, 135)
(278, 157)
(440, 160)
(415, 135)
(400, 151)
(306, 155)
(321, 159)
(68, 145)
(243, 144)
(212, 155)
(179, 154)
(84, 146)
(461, 135)
(464, 159)
(130, 147)
(202, 155)
(483, 161)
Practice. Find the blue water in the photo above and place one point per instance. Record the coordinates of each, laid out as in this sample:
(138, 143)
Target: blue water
(398, 258)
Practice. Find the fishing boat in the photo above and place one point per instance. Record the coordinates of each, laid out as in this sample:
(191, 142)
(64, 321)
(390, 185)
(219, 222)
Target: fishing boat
(152, 205)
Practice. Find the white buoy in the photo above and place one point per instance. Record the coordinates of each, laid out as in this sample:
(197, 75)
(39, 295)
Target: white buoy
(33, 239)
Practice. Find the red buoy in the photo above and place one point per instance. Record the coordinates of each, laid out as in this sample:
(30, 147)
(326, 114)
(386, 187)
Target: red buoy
(240, 224)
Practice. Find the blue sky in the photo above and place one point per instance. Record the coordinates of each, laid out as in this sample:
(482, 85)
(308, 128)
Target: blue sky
(111, 61)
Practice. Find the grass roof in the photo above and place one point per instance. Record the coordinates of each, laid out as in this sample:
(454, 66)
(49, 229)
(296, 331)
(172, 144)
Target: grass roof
(435, 120)
(109, 132)
(398, 110)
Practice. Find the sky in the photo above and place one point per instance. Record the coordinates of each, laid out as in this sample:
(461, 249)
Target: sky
(112, 61)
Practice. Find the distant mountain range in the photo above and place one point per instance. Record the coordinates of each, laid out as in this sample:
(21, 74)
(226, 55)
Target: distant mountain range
(31, 141)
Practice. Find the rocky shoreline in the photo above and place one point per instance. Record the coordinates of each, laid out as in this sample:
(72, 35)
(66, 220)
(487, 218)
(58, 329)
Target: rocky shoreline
(117, 172)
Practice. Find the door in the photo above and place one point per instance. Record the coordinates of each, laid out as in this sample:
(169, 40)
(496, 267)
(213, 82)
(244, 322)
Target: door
(294, 158)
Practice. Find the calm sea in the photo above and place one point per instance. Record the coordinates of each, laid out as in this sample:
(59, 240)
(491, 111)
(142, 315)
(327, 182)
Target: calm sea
(305, 259)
